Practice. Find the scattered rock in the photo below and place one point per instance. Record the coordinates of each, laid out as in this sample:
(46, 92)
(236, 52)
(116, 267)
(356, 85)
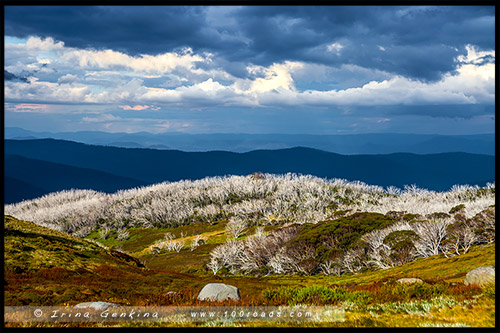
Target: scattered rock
(219, 292)
(96, 305)
(480, 275)
(409, 281)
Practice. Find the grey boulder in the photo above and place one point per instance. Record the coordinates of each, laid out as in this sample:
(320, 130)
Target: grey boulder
(96, 305)
(409, 281)
(480, 275)
(219, 292)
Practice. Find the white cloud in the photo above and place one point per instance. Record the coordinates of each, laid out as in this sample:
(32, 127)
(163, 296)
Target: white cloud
(47, 44)
(207, 93)
(474, 56)
(46, 92)
(335, 48)
(277, 77)
(105, 117)
(28, 108)
(398, 90)
(67, 79)
(159, 64)
(136, 107)
(111, 77)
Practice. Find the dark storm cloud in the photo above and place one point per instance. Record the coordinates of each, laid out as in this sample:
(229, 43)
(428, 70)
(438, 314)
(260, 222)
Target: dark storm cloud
(131, 29)
(418, 42)
(8, 76)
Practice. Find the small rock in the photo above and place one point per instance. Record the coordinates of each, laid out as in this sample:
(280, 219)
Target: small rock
(480, 275)
(96, 305)
(409, 281)
(219, 292)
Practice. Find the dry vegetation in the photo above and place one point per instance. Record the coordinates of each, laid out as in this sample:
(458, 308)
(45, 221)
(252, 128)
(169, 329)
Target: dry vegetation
(280, 239)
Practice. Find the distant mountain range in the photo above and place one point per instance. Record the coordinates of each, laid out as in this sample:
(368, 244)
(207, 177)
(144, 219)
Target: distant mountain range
(27, 178)
(35, 167)
(341, 144)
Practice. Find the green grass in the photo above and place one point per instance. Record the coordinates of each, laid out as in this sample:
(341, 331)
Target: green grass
(29, 247)
(315, 295)
(46, 267)
(436, 267)
(141, 238)
(184, 261)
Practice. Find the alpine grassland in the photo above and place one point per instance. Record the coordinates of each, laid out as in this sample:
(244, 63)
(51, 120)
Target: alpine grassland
(282, 240)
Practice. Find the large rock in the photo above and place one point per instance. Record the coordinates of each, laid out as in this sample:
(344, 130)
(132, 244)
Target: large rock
(480, 275)
(96, 305)
(409, 281)
(219, 292)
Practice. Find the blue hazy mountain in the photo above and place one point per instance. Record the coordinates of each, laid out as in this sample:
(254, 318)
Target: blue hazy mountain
(342, 144)
(133, 166)
(27, 178)
(16, 190)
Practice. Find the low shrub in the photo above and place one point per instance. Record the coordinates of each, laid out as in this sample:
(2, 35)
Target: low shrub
(420, 291)
(315, 295)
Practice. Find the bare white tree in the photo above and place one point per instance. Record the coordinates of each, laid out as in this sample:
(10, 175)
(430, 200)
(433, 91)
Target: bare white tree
(230, 255)
(282, 263)
(196, 242)
(170, 243)
(352, 261)
(469, 238)
(272, 199)
(123, 235)
(256, 251)
(460, 237)
(431, 235)
(331, 267)
(378, 251)
(177, 246)
(236, 227)
(215, 265)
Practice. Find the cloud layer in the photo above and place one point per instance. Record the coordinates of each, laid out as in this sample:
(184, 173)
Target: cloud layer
(420, 42)
(65, 74)
(342, 59)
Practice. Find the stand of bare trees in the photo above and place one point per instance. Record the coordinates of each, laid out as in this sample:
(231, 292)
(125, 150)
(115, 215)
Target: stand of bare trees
(263, 200)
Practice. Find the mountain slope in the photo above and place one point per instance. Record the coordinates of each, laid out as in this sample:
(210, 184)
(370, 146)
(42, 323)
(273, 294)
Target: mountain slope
(375, 143)
(435, 171)
(27, 178)
(30, 246)
(16, 190)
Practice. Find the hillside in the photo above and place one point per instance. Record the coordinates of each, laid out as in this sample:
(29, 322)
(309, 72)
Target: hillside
(380, 143)
(280, 239)
(435, 172)
(29, 246)
(264, 199)
(285, 224)
(28, 178)
(16, 190)
(46, 267)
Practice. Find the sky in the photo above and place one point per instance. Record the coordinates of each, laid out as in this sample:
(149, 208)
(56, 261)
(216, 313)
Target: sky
(251, 69)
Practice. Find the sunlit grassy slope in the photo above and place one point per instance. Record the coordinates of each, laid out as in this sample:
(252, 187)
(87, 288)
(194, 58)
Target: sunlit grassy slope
(29, 246)
(46, 267)
(437, 267)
